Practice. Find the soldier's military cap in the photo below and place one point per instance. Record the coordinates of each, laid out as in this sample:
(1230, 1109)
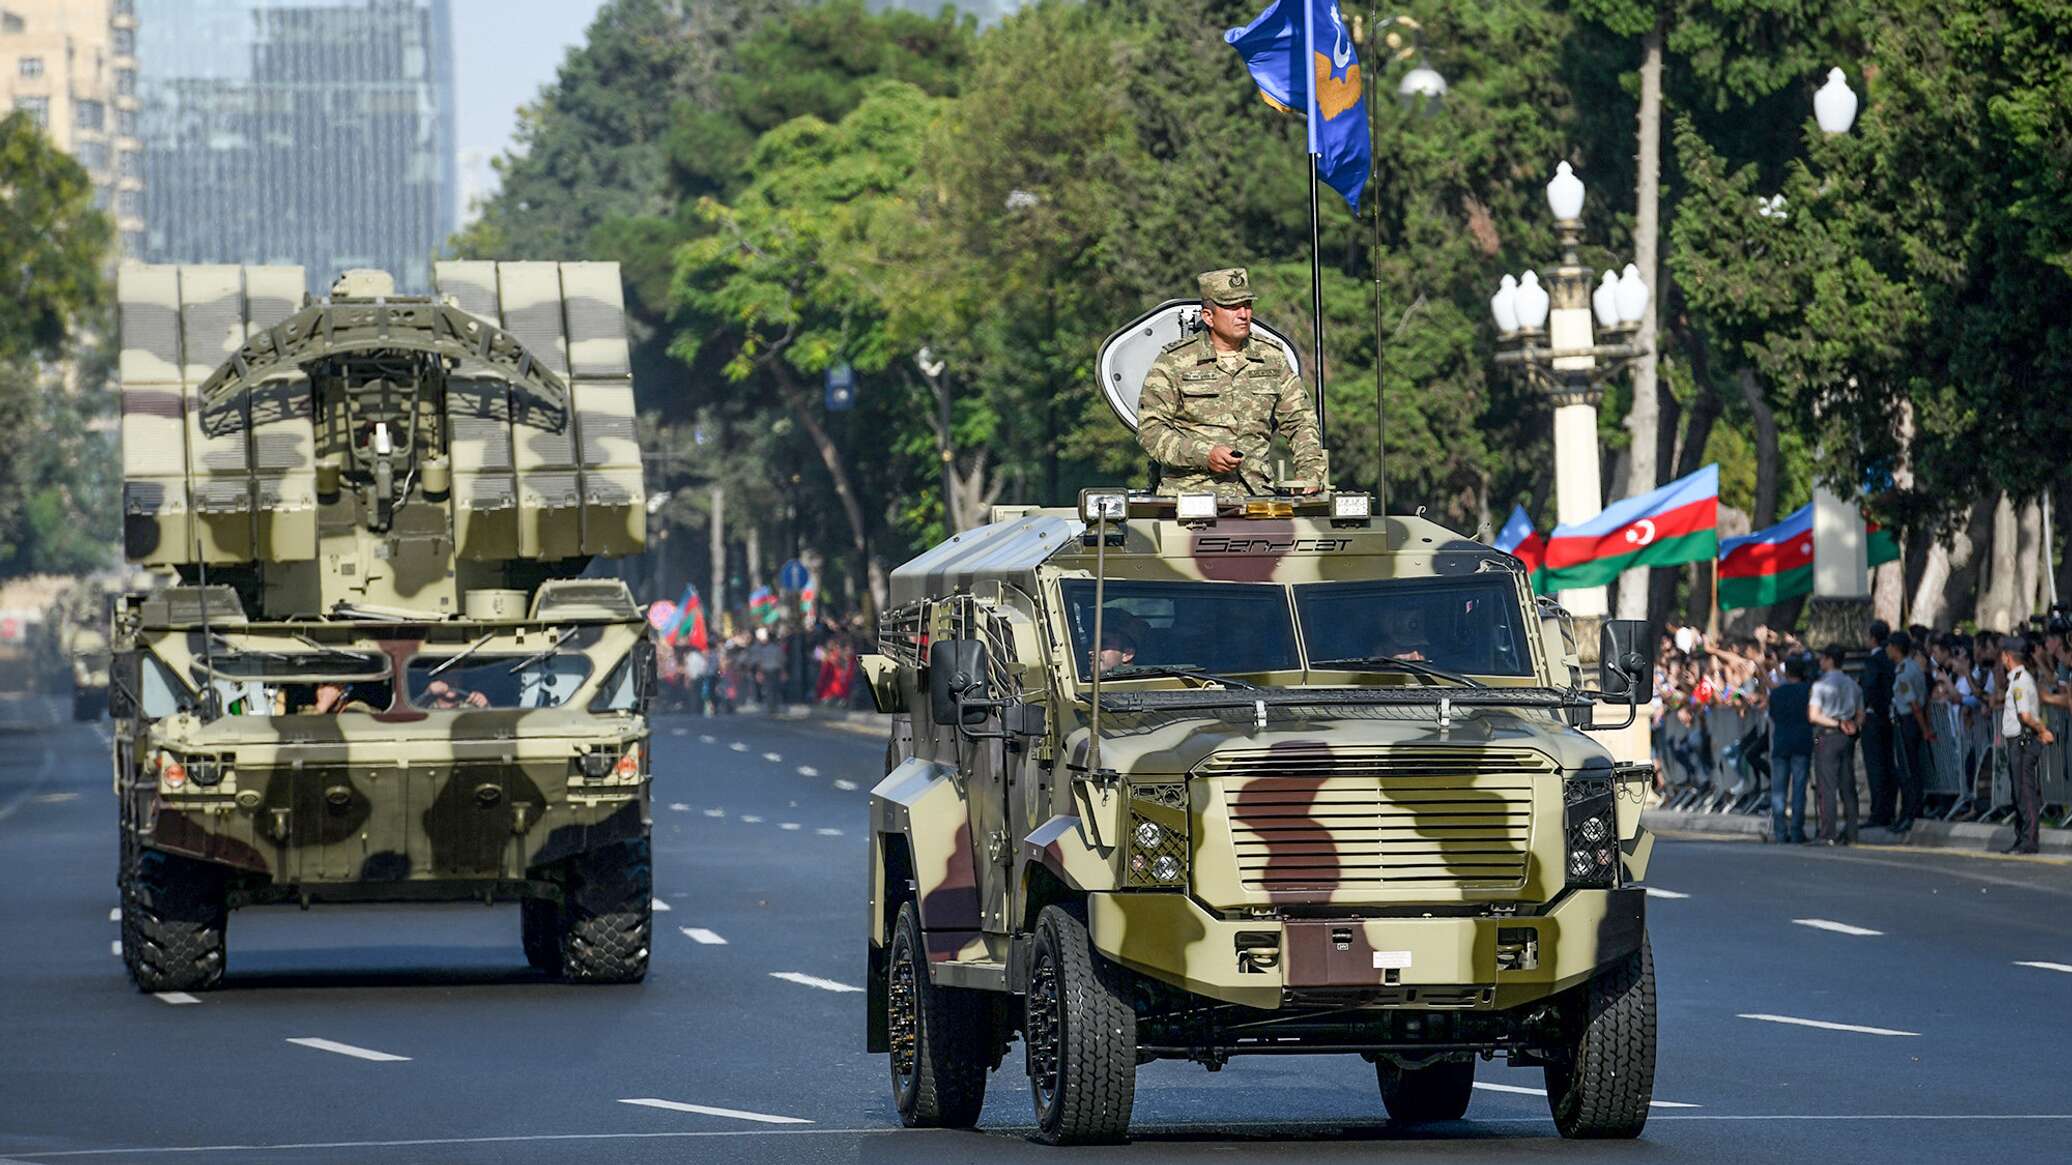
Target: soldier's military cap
(1227, 287)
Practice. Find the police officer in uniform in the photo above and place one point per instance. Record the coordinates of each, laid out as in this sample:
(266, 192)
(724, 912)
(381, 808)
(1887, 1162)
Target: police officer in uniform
(1212, 403)
(2023, 731)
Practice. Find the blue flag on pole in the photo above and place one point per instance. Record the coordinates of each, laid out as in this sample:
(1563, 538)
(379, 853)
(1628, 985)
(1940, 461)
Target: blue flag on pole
(1301, 57)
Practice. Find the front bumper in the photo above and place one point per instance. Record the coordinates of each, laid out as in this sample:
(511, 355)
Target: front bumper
(1482, 963)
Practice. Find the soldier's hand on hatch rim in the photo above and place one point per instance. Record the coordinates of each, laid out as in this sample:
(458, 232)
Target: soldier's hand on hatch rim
(1224, 459)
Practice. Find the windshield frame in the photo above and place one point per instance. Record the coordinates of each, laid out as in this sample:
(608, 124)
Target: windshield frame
(1525, 629)
(1080, 670)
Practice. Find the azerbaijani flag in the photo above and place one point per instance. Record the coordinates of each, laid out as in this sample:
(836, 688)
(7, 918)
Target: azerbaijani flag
(1527, 545)
(1879, 546)
(1770, 565)
(1676, 523)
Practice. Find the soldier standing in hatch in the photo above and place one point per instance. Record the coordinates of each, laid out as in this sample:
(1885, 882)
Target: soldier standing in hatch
(1212, 402)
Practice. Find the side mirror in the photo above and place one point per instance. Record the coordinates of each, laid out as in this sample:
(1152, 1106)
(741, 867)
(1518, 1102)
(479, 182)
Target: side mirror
(957, 671)
(1623, 671)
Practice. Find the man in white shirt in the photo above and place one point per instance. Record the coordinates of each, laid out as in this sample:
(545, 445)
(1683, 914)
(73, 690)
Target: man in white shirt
(2023, 731)
(1835, 709)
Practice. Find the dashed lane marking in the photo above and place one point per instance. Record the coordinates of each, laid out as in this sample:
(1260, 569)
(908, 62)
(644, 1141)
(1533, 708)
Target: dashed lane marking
(53, 798)
(2065, 967)
(357, 1053)
(715, 813)
(1837, 927)
(808, 771)
(773, 758)
(703, 937)
(1658, 892)
(707, 738)
(805, 980)
(176, 998)
(838, 833)
(707, 1110)
(679, 732)
(115, 947)
(1824, 1025)
(789, 825)
(662, 907)
(846, 786)
(737, 746)
(115, 914)
(679, 807)
(1521, 1090)
(750, 819)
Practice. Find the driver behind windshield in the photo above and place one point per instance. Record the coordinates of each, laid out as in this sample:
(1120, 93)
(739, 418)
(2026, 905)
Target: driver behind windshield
(442, 695)
(1118, 648)
(1403, 635)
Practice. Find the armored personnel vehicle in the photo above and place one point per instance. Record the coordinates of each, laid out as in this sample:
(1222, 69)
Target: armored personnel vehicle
(382, 675)
(79, 623)
(1174, 777)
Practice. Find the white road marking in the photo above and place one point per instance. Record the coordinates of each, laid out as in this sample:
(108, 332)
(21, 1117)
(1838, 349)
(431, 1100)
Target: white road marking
(737, 746)
(176, 998)
(679, 807)
(115, 914)
(1837, 927)
(44, 770)
(773, 758)
(53, 798)
(707, 1110)
(838, 833)
(715, 813)
(1524, 1091)
(789, 825)
(805, 980)
(700, 935)
(808, 771)
(322, 1045)
(751, 819)
(707, 738)
(1658, 892)
(115, 947)
(2065, 967)
(846, 786)
(662, 907)
(679, 732)
(1824, 1025)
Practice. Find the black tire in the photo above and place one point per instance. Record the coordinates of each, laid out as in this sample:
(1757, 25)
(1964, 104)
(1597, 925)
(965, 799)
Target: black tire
(939, 1037)
(539, 929)
(1430, 1092)
(1081, 1036)
(1601, 1089)
(608, 916)
(173, 921)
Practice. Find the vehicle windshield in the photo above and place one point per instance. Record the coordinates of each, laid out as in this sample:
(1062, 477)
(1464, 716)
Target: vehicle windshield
(540, 680)
(1469, 625)
(1227, 628)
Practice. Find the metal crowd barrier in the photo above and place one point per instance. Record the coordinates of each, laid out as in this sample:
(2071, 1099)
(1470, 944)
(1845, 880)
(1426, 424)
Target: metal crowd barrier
(2057, 777)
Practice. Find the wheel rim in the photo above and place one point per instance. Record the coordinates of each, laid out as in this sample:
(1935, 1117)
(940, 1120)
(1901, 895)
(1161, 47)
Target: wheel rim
(903, 1018)
(1045, 1024)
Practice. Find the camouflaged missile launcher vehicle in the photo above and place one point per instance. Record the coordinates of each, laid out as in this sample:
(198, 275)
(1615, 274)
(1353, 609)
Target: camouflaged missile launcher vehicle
(1333, 795)
(381, 676)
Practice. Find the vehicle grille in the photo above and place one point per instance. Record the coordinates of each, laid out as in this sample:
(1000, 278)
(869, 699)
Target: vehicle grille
(1327, 821)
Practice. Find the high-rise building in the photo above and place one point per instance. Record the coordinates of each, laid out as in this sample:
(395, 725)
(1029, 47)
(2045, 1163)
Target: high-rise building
(72, 66)
(299, 131)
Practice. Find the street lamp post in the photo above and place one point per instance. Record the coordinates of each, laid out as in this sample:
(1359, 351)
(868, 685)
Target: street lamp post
(1549, 341)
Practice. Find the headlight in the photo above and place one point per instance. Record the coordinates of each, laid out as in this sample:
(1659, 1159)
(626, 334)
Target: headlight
(1148, 835)
(1103, 507)
(1195, 507)
(1157, 858)
(1591, 831)
(1352, 506)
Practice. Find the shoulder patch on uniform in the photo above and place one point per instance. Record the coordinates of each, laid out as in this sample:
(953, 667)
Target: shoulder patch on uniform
(1178, 344)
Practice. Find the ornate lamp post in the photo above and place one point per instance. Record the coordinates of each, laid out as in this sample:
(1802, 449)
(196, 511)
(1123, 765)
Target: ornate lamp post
(1550, 341)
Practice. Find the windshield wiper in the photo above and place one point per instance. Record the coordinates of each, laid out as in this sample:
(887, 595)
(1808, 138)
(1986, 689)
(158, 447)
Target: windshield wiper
(465, 652)
(1134, 671)
(327, 649)
(1416, 667)
(540, 656)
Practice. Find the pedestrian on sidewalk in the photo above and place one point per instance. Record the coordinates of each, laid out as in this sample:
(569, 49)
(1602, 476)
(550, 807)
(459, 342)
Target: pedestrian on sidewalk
(2023, 730)
(1913, 733)
(1836, 711)
(1791, 752)
(1876, 733)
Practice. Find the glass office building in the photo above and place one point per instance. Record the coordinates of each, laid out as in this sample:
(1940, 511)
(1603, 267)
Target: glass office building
(294, 131)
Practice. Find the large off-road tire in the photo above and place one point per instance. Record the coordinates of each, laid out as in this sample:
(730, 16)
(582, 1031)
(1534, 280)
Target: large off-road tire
(607, 920)
(1601, 1089)
(940, 1037)
(539, 929)
(1431, 1092)
(1081, 1035)
(173, 921)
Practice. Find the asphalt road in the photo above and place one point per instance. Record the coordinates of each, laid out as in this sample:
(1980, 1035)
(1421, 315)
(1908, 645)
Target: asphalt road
(749, 1035)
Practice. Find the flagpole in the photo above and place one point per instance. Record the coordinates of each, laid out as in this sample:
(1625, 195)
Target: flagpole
(1316, 299)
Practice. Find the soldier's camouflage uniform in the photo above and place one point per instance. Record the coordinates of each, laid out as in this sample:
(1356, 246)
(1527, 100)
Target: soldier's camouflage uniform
(1196, 398)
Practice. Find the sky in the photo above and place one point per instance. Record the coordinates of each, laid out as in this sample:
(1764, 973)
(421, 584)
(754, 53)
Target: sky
(504, 52)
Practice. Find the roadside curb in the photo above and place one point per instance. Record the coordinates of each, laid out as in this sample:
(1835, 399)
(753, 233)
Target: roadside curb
(1959, 836)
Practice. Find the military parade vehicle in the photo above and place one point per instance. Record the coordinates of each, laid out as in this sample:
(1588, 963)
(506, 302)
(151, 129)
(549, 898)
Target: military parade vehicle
(382, 674)
(1180, 777)
(79, 628)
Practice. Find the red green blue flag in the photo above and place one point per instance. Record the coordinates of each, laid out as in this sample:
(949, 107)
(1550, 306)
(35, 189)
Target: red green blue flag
(1769, 566)
(1674, 524)
(1519, 539)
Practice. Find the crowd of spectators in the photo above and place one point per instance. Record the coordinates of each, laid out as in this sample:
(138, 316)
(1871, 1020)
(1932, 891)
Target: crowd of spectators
(1894, 697)
(766, 667)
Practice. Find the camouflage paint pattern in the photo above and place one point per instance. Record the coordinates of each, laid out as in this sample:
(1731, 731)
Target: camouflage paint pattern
(1295, 830)
(1196, 398)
